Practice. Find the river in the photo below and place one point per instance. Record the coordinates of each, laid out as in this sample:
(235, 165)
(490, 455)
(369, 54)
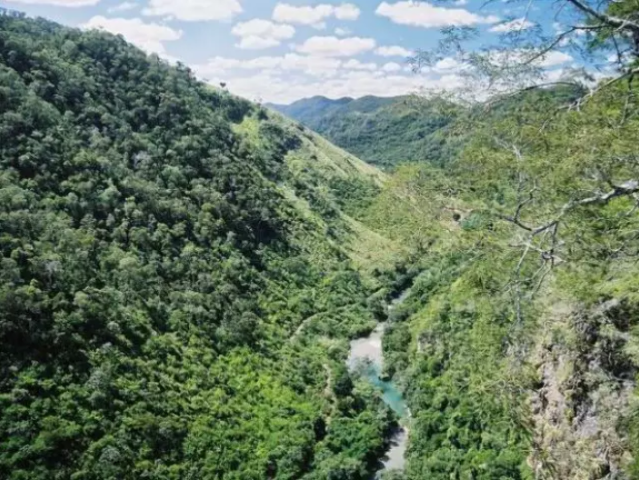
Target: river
(367, 351)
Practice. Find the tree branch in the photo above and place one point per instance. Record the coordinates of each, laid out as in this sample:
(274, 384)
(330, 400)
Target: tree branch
(628, 74)
(629, 187)
(620, 23)
(552, 45)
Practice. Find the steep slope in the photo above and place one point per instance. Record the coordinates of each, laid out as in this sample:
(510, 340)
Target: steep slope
(160, 245)
(382, 131)
(387, 132)
(517, 344)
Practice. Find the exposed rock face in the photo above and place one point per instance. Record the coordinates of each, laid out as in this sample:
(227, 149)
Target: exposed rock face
(586, 383)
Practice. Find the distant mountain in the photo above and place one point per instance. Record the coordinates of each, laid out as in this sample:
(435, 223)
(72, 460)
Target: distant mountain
(382, 131)
(390, 131)
(309, 109)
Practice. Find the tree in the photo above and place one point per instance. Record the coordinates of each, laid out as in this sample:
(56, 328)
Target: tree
(604, 34)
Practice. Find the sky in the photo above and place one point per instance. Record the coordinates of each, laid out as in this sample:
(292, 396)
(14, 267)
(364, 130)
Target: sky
(281, 51)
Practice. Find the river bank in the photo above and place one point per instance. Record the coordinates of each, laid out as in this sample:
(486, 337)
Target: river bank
(367, 355)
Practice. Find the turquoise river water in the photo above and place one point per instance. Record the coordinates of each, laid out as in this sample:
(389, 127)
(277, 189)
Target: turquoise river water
(367, 353)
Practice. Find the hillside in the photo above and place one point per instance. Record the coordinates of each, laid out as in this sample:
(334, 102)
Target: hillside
(161, 243)
(387, 132)
(517, 344)
(382, 131)
(193, 286)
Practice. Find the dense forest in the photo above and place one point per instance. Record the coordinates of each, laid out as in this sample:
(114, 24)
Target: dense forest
(182, 271)
(161, 243)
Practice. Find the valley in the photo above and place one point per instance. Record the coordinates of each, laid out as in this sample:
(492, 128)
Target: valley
(367, 358)
(384, 132)
(196, 286)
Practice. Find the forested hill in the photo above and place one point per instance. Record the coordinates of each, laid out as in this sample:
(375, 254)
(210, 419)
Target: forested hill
(312, 110)
(181, 271)
(388, 132)
(382, 131)
(160, 245)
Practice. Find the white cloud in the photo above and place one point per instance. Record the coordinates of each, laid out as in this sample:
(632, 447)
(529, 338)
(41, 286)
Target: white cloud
(336, 47)
(291, 62)
(217, 65)
(314, 16)
(289, 77)
(353, 64)
(147, 36)
(450, 65)
(554, 58)
(392, 67)
(194, 10)
(342, 32)
(447, 64)
(253, 42)
(513, 26)
(123, 7)
(423, 14)
(321, 67)
(259, 34)
(263, 28)
(346, 11)
(393, 51)
(60, 3)
(556, 75)
(278, 88)
(460, 3)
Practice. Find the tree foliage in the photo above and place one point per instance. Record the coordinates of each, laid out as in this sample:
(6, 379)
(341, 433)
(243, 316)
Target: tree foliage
(157, 254)
(528, 244)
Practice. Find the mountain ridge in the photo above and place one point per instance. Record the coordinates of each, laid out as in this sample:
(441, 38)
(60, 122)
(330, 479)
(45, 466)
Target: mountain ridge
(384, 131)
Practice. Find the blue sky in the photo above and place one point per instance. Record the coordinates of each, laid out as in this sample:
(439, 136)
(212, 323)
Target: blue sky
(280, 51)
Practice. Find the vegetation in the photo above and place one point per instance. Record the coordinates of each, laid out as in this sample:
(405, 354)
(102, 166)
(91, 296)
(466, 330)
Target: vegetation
(517, 344)
(388, 132)
(488, 297)
(160, 244)
(382, 131)
(182, 270)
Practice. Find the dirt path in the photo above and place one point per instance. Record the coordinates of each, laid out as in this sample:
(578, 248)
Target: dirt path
(299, 330)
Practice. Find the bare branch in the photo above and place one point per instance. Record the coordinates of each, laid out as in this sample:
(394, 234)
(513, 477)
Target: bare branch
(546, 255)
(627, 188)
(515, 221)
(518, 284)
(628, 74)
(551, 46)
(620, 23)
